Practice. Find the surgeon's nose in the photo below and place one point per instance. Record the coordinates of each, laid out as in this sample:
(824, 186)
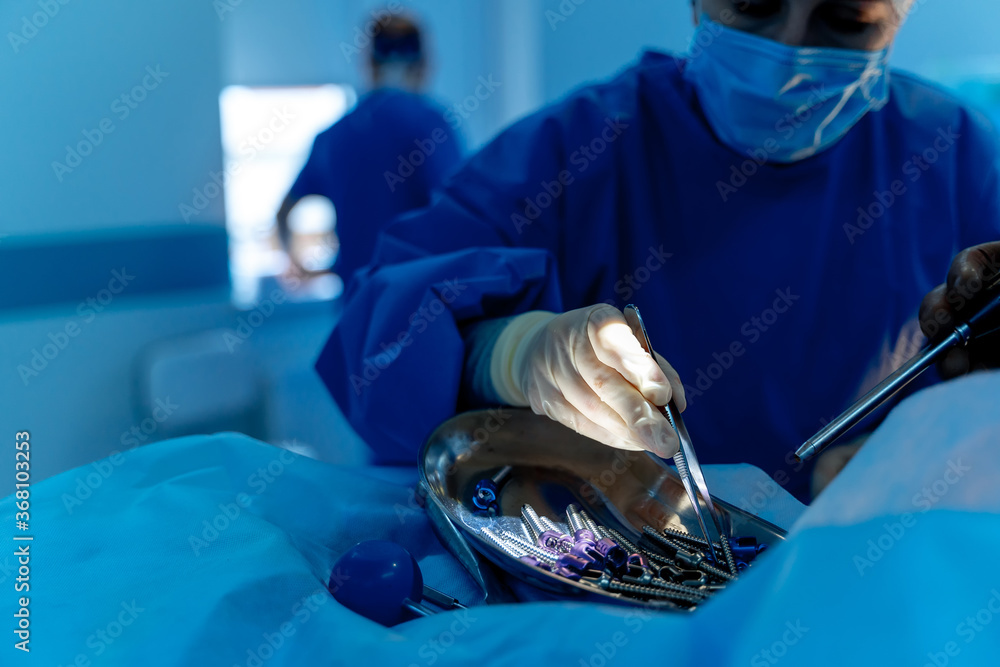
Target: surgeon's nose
(792, 29)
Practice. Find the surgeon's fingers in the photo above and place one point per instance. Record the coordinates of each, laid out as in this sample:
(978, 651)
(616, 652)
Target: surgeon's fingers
(936, 319)
(594, 431)
(935, 314)
(604, 395)
(555, 406)
(970, 272)
(584, 400)
(616, 346)
(676, 386)
(954, 364)
(955, 300)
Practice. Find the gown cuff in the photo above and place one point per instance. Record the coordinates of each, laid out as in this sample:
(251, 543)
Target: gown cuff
(508, 353)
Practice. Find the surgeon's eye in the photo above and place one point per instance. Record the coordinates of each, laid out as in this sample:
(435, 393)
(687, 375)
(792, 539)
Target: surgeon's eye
(849, 19)
(758, 8)
(846, 24)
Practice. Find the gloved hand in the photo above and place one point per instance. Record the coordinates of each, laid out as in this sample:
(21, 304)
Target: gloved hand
(949, 303)
(585, 369)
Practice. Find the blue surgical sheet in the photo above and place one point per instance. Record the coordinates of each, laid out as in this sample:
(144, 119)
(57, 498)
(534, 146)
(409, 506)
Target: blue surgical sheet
(216, 550)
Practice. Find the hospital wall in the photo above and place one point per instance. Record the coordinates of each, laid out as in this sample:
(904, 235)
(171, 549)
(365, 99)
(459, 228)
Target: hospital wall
(75, 356)
(64, 230)
(132, 162)
(64, 83)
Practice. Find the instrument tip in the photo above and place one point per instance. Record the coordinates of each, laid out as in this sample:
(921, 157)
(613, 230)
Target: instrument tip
(806, 451)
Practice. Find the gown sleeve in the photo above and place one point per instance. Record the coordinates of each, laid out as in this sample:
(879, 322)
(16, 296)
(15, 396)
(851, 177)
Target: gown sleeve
(979, 182)
(310, 179)
(487, 247)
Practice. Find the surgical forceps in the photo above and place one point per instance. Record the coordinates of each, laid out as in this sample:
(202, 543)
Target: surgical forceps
(982, 323)
(687, 464)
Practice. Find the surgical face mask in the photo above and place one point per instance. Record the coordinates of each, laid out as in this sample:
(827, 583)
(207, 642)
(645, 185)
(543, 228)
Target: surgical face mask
(790, 103)
(398, 74)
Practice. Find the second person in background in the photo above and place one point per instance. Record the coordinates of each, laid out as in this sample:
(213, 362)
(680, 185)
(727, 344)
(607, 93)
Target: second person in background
(385, 156)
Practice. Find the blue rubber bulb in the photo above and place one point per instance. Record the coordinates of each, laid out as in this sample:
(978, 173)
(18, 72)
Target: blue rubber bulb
(375, 579)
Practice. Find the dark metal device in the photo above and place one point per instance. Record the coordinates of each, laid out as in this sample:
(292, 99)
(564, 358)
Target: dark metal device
(984, 321)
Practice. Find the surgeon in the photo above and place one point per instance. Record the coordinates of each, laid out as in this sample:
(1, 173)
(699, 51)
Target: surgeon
(383, 158)
(793, 218)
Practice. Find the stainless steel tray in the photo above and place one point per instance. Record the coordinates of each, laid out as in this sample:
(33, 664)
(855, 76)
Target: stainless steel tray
(552, 467)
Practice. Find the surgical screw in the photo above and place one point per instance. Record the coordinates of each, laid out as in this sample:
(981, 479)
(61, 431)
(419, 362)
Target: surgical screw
(589, 522)
(549, 524)
(631, 568)
(574, 520)
(623, 542)
(677, 588)
(556, 541)
(628, 545)
(567, 573)
(576, 563)
(487, 490)
(697, 561)
(636, 590)
(543, 555)
(531, 520)
(513, 551)
(683, 577)
(642, 579)
(612, 555)
(669, 546)
(728, 553)
(566, 565)
(683, 535)
(639, 560)
(586, 550)
(692, 582)
(723, 544)
(686, 558)
(746, 549)
(526, 529)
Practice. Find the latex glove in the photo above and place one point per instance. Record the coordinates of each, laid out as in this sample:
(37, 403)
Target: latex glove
(945, 305)
(586, 370)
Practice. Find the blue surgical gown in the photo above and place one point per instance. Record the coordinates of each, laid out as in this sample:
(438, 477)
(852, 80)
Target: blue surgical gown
(382, 159)
(780, 293)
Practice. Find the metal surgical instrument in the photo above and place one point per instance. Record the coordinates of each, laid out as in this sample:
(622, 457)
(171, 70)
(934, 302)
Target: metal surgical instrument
(685, 459)
(981, 323)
